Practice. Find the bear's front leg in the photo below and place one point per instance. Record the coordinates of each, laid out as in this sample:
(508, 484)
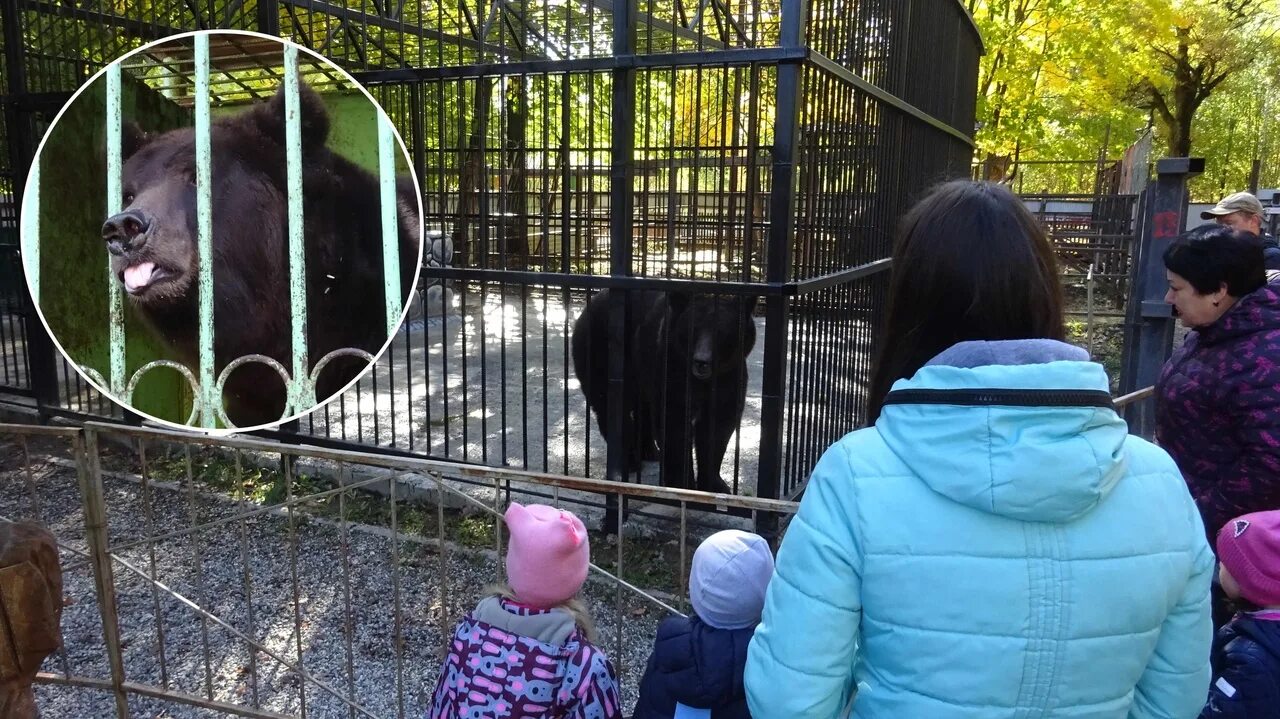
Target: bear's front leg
(719, 419)
(712, 435)
(677, 444)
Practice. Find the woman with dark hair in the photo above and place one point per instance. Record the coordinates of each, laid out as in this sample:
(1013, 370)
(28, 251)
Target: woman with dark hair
(992, 275)
(996, 545)
(1218, 396)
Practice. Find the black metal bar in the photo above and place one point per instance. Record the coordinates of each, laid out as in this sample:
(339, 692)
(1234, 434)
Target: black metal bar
(971, 25)
(1150, 320)
(583, 281)
(349, 15)
(719, 58)
(41, 356)
(269, 17)
(38, 101)
(782, 205)
(621, 198)
(147, 30)
(830, 66)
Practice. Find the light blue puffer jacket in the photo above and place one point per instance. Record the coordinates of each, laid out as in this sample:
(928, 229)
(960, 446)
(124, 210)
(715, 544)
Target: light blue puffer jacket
(989, 561)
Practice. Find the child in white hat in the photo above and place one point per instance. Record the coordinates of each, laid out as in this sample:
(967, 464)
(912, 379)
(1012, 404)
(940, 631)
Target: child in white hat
(697, 662)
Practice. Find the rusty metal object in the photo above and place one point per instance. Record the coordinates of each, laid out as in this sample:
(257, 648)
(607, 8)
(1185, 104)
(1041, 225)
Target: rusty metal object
(30, 612)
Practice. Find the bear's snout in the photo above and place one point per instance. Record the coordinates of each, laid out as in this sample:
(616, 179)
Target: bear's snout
(125, 231)
(700, 363)
(701, 368)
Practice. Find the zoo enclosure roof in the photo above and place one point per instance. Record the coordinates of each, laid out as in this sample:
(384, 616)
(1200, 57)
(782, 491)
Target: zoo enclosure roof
(243, 68)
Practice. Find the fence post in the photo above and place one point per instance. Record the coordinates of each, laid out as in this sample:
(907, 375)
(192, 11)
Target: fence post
(1149, 321)
(782, 208)
(115, 203)
(301, 392)
(209, 398)
(621, 199)
(89, 473)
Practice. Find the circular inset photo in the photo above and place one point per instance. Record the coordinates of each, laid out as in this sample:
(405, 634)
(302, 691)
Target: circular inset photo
(222, 230)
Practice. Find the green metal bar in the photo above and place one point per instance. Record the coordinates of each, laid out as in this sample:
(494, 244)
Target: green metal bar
(114, 204)
(390, 222)
(303, 394)
(30, 232)
(209, 396)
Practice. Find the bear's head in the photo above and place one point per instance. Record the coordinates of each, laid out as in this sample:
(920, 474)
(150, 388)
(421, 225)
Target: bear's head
(152, 241)
(714, 334)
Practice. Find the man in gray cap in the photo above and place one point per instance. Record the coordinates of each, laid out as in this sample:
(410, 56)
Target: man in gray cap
(1242, 211)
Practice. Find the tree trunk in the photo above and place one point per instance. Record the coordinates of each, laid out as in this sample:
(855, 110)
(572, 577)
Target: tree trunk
(471, 177)
(515, 219)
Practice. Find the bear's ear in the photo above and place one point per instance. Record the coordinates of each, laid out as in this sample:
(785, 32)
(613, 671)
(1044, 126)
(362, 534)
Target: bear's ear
(677, 301)
(269, 117)
(132, 138)
(749, 304)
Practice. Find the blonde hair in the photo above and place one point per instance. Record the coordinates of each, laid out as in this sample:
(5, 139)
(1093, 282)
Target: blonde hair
(574, 606)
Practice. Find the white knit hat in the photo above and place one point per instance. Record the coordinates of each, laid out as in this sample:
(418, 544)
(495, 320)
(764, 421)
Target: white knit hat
(731, 571)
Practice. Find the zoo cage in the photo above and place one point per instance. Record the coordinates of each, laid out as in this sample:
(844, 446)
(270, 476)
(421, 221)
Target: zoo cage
(1093, 237)
(735, 147)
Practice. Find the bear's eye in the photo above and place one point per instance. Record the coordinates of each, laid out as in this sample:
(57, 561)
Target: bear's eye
(128, 198)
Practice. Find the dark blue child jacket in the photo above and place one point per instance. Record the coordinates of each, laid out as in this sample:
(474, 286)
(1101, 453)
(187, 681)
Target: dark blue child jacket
(1246, 670)
(697, 665)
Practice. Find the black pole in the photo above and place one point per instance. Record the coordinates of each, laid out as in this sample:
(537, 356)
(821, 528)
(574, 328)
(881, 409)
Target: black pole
(782, 204)
(269, 17)
(621, 199)
(1150, 321)
(41, 355)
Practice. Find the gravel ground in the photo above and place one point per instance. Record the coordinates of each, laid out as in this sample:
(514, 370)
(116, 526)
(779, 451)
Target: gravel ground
(210, 569)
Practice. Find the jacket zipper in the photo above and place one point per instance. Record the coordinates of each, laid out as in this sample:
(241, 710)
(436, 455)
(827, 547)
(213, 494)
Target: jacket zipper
(1003, 397)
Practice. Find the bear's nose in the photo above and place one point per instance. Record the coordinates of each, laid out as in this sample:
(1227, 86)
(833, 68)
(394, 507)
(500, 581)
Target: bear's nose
(120, 231)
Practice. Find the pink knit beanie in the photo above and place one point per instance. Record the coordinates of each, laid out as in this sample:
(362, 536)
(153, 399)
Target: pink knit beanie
(1249, 547)
(547, 555)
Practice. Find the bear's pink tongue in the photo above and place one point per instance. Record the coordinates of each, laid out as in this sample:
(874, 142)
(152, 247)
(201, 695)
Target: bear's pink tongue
(137, 277)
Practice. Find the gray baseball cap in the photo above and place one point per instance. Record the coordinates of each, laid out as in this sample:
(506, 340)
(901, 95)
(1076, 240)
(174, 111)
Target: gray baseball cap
(1239, 202)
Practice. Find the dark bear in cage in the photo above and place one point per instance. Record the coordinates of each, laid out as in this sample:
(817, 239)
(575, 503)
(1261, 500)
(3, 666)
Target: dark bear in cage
(153, 248)
(686, 380)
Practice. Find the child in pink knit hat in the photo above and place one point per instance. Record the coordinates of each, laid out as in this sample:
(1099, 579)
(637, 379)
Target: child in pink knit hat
(528, 648)
(1246, 652)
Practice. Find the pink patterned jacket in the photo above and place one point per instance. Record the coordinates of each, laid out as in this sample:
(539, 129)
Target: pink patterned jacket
(511, 661)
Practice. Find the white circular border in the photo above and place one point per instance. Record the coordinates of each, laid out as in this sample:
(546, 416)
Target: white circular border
(404, 311)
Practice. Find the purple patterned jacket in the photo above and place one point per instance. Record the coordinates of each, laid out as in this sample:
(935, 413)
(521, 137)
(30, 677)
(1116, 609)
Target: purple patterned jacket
(511, 661)
(1218, 410)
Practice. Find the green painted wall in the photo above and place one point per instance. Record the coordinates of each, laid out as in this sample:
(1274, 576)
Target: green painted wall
(73, 260)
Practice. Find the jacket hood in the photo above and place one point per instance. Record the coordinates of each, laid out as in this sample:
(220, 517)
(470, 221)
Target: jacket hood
(1023, 429)
(551, 627)
(1257, 311)
(1265, 632)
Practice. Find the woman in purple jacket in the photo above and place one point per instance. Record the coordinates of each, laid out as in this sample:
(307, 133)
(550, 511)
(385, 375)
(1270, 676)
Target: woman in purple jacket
(1218, 396)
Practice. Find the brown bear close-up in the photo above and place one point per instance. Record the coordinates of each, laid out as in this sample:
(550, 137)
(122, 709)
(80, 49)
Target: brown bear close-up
(152, 244)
